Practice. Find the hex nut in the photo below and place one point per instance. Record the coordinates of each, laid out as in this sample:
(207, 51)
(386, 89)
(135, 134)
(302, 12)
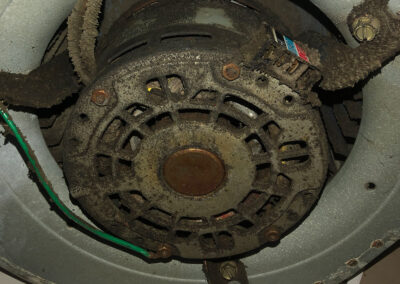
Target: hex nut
(228, 270)
(365, 28)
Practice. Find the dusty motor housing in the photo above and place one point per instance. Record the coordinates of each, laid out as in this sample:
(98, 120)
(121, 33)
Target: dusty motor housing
(162, 90)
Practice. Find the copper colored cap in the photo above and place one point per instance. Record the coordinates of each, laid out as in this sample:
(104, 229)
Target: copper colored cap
(194, 172)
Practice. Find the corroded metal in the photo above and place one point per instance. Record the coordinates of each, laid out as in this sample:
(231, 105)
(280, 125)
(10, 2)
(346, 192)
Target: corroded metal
(100, 97)
(231, 71)
(126, 161)
(272, 234)
(164, 251)
(274, 157)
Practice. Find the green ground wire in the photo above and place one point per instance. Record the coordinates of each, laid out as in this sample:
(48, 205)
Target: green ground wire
(53, 196)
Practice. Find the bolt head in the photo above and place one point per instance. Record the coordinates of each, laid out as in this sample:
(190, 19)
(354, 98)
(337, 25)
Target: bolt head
(228, 270)
(165, 251)
(231, 71)
(272, 235)
(100, 97)
(352, 262)
(377, 244)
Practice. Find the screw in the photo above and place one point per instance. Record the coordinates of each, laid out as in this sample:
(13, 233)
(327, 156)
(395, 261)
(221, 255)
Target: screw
(377, 244)
(100, 97)
(231, 71)
(365, 28)
(272, 234)
(164, 251)
(352, 262)
(228, 270)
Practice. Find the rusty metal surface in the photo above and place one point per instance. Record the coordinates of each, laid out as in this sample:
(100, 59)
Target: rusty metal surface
(288, 274)
(272, 234)
(274, 152)
(353, 265)
(100, 97)
(121, 157)
(231, 71)
(193, 171)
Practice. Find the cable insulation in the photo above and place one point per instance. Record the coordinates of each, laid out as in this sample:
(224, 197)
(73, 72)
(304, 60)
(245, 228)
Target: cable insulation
(54, 198)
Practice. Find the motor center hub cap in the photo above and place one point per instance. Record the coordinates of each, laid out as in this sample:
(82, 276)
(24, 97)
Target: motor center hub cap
(194, 172)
